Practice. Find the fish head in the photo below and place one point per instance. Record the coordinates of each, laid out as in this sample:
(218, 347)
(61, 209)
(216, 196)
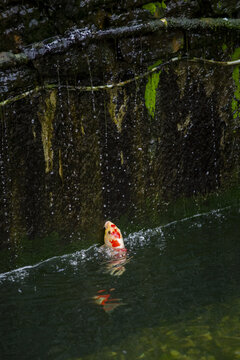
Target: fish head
(113, 236)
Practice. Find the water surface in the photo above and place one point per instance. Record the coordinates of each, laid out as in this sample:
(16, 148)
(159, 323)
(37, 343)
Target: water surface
(179, 297)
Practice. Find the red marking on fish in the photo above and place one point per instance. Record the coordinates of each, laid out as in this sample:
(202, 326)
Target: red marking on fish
(113, 225)
(114, 243)
(116, 233)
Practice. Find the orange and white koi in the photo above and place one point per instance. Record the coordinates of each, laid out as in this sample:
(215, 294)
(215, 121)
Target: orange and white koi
(113, 237)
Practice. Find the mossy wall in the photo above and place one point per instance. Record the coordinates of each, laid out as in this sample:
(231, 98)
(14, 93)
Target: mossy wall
(76, 150)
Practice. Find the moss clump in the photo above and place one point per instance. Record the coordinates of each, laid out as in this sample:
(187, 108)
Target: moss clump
(118, 107)
(156, 8)
(46, 117)
(224, 47)
(151, 88)
(236, 99)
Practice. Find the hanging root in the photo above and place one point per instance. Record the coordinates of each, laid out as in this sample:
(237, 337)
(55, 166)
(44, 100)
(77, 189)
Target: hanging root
(120, 84)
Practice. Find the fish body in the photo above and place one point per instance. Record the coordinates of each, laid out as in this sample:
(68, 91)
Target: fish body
(113, 236)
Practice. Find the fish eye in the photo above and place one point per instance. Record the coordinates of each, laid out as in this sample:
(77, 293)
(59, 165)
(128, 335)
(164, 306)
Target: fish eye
(109, 232)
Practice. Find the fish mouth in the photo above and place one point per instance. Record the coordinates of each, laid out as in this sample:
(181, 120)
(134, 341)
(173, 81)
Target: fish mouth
(107, 223)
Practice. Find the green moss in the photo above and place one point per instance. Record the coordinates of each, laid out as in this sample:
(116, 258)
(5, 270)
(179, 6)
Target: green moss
(224, 47)
(236, 54)
(155, 8)
(157, 63)
(219, 5)
(236, 98)
(151, 88)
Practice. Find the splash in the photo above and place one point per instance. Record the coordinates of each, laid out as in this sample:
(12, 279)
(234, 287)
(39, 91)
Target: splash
(57, 262)
(143, 238)
(134, 241)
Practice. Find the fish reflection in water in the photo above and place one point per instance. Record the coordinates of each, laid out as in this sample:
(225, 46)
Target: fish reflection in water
(116, 266)
(116, 254)
(104, 298)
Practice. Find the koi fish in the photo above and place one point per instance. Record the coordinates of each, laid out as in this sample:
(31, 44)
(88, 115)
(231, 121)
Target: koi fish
(113, 236)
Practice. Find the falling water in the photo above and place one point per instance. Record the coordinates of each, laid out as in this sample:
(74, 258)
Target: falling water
(4, 164)
(91, 82)
(214, 142)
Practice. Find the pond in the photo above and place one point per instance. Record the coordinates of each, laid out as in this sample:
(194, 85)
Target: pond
(179, 298)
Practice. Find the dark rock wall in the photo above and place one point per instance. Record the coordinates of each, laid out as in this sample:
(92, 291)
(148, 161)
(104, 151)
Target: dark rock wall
(71, 156)
(22, 24)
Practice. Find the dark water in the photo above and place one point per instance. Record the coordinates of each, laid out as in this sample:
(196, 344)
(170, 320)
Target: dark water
(179, 296)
